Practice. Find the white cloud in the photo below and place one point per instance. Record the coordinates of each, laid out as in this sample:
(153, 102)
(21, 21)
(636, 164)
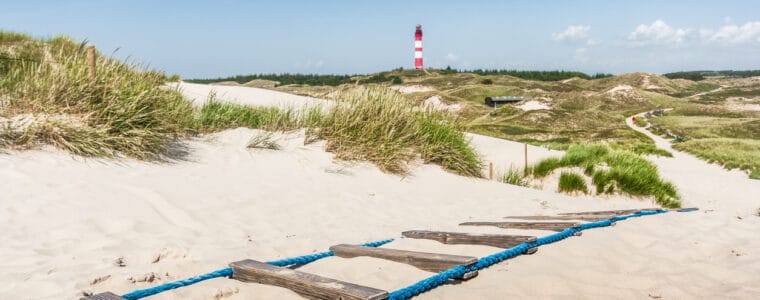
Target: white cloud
(575, 34)
(452, 57)
(733, 34)
(658, 33)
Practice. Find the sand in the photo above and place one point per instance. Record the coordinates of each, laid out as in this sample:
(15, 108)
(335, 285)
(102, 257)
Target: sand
(72, 225)
(407, 89)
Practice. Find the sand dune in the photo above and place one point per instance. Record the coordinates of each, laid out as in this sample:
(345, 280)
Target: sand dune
(72, 225)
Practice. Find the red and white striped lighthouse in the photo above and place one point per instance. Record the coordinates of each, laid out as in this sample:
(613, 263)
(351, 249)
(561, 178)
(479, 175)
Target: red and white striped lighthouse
(418, 47)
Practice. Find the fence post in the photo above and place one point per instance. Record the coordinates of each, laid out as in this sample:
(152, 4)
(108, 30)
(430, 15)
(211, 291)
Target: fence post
(490, 170)
(91, 62)
(526, 156)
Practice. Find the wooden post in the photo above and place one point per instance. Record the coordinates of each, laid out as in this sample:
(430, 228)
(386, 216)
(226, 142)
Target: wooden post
(526, 156)
(91, 62)
(490, 170)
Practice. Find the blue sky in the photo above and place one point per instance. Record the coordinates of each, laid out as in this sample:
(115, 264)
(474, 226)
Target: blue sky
(219, 38)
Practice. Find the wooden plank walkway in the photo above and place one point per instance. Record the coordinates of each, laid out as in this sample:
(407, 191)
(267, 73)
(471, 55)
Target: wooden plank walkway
(313, 286)
(103, 296)
(590, 218)
(308, 285)
(494, 240)
(553, 226)
(433, 262)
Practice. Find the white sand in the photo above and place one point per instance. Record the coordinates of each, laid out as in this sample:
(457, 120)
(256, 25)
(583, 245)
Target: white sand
(198, 94)
(435, 102)
(65, 221)
(533, 105)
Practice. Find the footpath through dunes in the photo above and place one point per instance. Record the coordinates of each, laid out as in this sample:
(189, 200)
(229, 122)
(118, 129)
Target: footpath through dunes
(72, 225)
(709, 186)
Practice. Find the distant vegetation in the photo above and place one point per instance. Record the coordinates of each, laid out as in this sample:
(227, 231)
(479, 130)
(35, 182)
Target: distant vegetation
(335, 79)
(701, 75)
(528, 75)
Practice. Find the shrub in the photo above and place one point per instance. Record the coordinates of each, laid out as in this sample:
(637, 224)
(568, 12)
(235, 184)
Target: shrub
(571, 182)
(486, 81)
(396, 80)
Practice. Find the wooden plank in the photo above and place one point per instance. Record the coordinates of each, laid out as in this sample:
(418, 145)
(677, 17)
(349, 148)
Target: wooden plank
(433, 262)
(606, 212)
(103, 296)
(495, 240)
(591, 218)
(553, 226)
(308, 285)
(531, 251)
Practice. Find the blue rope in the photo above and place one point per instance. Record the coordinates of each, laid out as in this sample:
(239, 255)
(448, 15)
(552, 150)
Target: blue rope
(227, 272)
(487, 261)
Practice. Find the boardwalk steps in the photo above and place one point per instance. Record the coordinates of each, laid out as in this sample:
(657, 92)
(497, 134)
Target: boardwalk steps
(451, 238)
(553, 226)
(308, 285)
(314, 286)
(433, 262)
(590, 218)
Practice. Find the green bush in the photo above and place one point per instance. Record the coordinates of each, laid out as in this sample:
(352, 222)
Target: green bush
(571, 182)
(486, 81)
(622, 171)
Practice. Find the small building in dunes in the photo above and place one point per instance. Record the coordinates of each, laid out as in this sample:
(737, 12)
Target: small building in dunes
(496, 100)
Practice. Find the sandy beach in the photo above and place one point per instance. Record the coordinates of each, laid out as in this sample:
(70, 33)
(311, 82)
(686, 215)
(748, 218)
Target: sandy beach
(73, 225)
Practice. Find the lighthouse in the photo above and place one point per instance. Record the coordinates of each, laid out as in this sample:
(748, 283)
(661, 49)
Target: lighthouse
(418, 47)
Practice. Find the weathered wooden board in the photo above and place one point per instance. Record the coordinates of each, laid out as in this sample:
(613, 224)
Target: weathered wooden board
(308, 285)
(103, 296)
(495, 240)
(433, 262)
(606, 212)
(591, 218)
(553, 226)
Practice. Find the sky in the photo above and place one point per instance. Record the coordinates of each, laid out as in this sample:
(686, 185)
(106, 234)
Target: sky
(204, 39)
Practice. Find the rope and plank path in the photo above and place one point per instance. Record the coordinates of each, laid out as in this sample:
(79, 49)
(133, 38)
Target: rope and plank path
(448, 267)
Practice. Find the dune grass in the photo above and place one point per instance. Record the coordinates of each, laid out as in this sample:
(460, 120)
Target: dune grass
(613, 171)
(123, 112)
(640, 122)
(514, 177)
(743, 154)
(264, 140)
(383, 127)
(572, 182)
(215, 115)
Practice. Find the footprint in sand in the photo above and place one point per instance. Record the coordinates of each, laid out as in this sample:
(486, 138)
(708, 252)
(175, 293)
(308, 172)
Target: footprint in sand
(169, 253)
(100, 279)
(225, 292)
(147, 277)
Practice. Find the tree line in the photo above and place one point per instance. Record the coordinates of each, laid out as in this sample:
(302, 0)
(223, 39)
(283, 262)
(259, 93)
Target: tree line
(701, 75)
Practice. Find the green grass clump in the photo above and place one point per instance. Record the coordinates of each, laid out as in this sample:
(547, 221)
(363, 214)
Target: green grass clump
(514, 177)
(571, 182)
(755, 174)
(640, 122)
(124, 111)
(215, 115)
(546, 166)
(612, 171)
(641, 148)
(383, 127)
(264, 140)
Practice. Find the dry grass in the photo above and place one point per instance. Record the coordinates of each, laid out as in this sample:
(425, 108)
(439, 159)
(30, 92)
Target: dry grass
(383, 127)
